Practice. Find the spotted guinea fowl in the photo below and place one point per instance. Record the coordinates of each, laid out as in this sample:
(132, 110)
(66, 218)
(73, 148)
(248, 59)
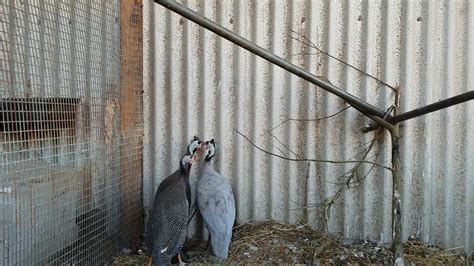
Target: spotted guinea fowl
(166, 230)
(216, 203)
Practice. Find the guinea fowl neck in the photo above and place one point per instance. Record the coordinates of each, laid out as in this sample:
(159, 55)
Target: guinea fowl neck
(208, 165)
(186, 173)
(185, 169)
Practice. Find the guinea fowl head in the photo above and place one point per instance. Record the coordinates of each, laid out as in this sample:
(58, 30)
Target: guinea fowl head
(210, 149)
(190, 157)
(194, 145)
(186, 162)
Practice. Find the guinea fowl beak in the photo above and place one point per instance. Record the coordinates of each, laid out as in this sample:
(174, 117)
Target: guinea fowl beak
(195, 157)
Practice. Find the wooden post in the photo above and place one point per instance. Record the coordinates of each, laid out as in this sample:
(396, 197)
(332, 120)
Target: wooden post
(131, 122)
(397, 243)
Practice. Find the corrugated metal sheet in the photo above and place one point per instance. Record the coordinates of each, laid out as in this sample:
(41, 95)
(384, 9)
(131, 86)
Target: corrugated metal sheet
(198, 83)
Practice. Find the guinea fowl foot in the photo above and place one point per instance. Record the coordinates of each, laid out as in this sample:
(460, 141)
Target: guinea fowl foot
(180, 261)
(184, 257)
(209, 244)
(215, 260)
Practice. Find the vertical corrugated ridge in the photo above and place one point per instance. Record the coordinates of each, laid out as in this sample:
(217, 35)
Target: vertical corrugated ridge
(270, 118)
(346, 221)
(414, 145)
(279, 81)
(249, 124)
(451, 76)
(166, 97)
(309, 150)
(187, 101)
(251, 130)
(336, 124)
(438, 152)
(371, 90)
(261, 79)
(160, 96)
(384, 176)
(457, 131)
(426, 228)
(324, 70)
(149, 158)
(217, 115)
(289, 173)
(202, 82)
(463, 227)
(349, 207)
(193, 75)
(423, 138)
(237, 77)
(228, 96)
(311, 200)
(469, 168)
(237, 185)
(300, 91)
(177, 89)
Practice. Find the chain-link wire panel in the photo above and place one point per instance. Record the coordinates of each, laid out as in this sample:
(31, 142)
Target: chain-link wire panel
(70, 130)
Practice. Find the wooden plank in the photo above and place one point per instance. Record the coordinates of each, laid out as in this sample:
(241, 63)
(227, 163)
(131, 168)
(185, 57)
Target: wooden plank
(131, 122)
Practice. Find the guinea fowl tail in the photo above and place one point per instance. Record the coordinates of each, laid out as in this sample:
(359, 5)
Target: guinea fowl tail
(220, 244)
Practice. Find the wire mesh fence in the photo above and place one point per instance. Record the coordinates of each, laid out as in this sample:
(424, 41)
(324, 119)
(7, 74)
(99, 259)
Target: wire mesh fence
(70, 130)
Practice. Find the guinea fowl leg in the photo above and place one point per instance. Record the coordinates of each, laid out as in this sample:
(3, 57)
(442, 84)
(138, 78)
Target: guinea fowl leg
(149, 261)
(180, 261)
(209, 244)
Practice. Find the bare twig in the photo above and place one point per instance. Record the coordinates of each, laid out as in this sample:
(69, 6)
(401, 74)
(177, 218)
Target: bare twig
(308, 42)
(310, 119)
(311, 160)
(364, 150)
(284, 146)
(301, 53)
(281, 151)
(353, 178)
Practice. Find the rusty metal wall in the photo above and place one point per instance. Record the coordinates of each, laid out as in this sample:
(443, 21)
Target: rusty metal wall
(68, 168)
(198, 83)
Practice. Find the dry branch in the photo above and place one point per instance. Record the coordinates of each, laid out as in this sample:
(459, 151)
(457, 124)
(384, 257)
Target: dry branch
(310, 119)
(308, 159)
(306, 41)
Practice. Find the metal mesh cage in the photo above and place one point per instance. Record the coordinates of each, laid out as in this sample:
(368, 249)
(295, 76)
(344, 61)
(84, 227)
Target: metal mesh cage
(70, 130)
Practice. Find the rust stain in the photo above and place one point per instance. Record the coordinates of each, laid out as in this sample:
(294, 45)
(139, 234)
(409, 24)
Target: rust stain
(87, 188)
(111, 110)
(132, 54)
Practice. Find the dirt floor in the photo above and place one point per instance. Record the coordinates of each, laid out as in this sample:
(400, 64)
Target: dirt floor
(272, 242)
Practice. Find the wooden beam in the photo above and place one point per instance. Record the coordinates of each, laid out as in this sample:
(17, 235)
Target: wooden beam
(131, 122)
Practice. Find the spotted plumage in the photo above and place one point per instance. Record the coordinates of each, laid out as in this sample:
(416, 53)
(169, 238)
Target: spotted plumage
(167, 225)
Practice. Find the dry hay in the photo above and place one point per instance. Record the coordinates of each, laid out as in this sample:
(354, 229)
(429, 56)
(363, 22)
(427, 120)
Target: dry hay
(130, 260)
(274, 242)
(271, 242)
(421, 253)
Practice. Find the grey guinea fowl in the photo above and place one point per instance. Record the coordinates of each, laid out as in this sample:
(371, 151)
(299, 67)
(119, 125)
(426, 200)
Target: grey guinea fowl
(166, 230)
(216, 203)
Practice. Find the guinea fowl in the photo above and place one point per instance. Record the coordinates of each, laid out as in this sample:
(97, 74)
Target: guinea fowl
(167, 225)
(216, 203)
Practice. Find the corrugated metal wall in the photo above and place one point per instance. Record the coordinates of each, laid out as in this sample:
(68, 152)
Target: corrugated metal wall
(198, 83)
